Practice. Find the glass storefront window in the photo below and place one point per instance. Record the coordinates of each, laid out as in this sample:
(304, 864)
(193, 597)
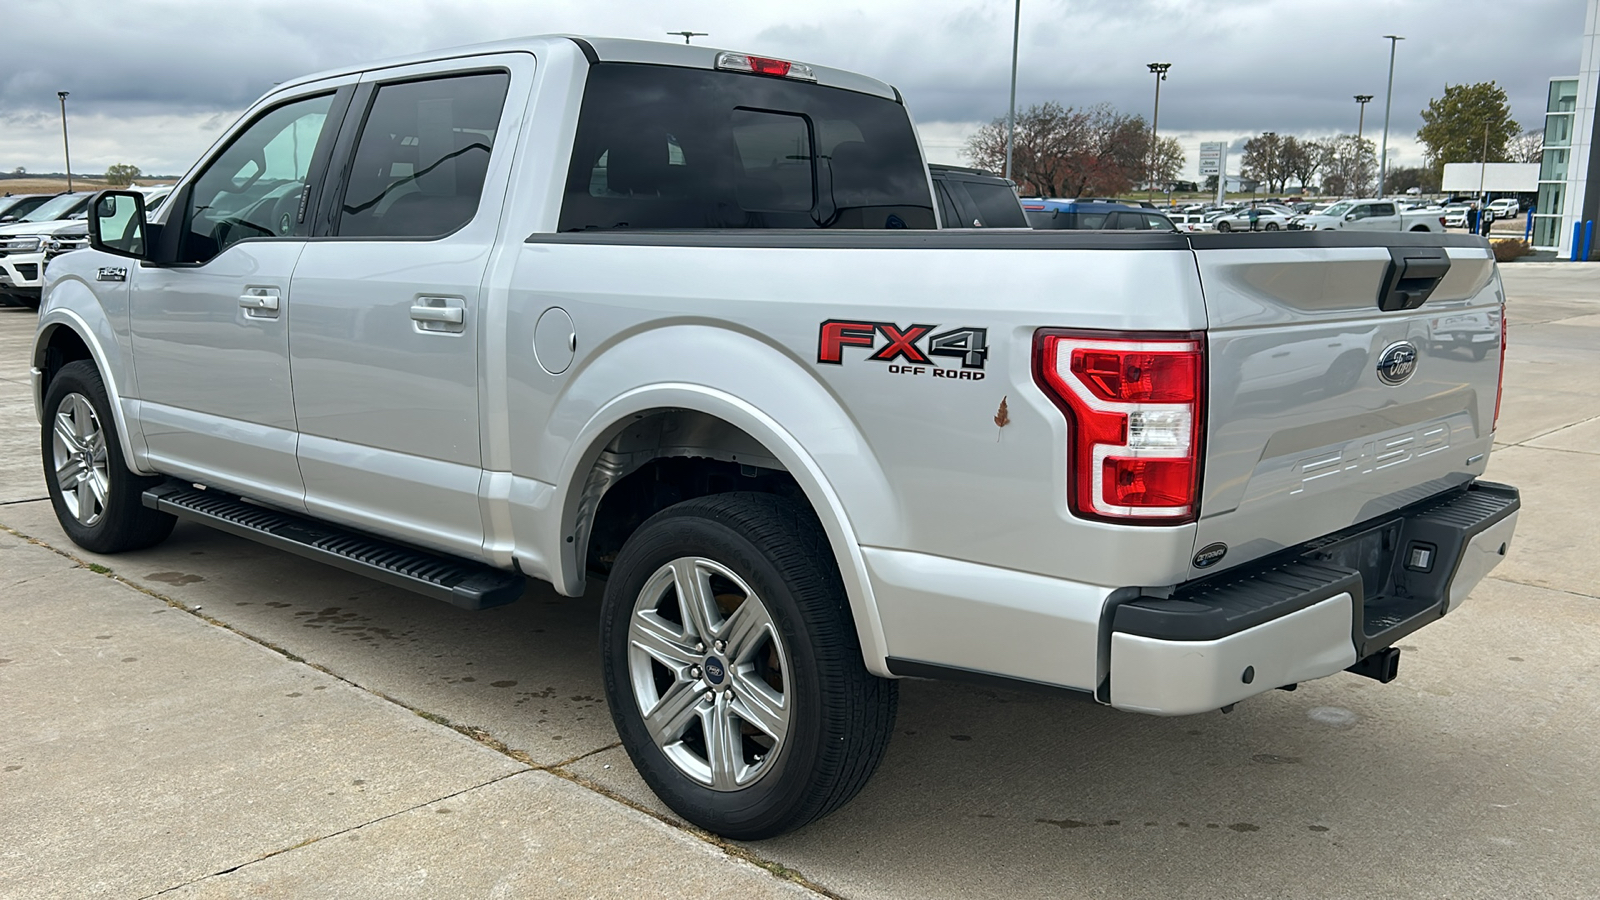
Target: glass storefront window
(1546, 231)
(1558, 130)
(1553, 165)
(1563, 96)
(1550, 197)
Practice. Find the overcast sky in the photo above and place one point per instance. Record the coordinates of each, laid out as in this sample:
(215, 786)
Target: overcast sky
(154, 82)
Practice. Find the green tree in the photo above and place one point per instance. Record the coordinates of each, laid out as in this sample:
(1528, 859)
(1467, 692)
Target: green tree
(121, 175)
(1470, 123)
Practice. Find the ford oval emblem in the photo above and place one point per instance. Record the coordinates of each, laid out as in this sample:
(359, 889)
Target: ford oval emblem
(1397, 362)
(1210, 555)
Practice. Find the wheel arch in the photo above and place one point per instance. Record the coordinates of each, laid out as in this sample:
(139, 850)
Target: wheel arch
(69, 331)
(734, 430)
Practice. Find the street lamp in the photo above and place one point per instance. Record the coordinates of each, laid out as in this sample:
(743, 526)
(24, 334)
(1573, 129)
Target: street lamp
(1361, 121)
(1160, 71)
(1388, 100)
(1011, 114)
(65, 147)
(689, 34)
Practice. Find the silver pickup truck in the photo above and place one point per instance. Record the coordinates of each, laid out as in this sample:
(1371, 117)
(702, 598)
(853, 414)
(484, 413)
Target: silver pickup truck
(682, 321)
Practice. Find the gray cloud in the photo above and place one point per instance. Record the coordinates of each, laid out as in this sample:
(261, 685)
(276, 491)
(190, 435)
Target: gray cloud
(1238, 66)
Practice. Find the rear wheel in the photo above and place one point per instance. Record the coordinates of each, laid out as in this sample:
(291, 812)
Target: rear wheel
(1224, 227)
(95, 497)
(1272, 226)
(732, 667)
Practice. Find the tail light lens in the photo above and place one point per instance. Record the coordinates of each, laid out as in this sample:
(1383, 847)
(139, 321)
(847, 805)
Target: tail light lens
(1500, 384)
(1133, 403)
(761, 65)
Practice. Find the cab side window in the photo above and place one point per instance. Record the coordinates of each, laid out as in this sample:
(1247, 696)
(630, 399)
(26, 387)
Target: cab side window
(254, 188)
(1382, 209)
(422, 157)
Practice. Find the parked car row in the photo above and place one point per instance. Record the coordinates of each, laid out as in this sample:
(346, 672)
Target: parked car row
(43, 231)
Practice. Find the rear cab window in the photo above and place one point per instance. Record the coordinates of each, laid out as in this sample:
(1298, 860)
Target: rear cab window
(661, 147)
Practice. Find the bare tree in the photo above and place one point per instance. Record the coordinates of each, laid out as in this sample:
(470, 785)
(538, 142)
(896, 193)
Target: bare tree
(1065, 152)
(1528, 146)
(1350, 166)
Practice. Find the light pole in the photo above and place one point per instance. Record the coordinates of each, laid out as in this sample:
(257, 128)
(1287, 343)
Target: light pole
(1160, 71)
(688, 34)
(1011, 114)
(1388, 101)
(1361, 121)
(1272, 161)
(66, 148)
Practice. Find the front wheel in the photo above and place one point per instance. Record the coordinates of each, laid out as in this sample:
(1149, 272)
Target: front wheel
(96, 498)
(1224, 227)
(732, 667)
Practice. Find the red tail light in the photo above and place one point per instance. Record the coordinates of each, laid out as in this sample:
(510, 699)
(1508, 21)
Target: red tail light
(1133, 404)
(1500, 385)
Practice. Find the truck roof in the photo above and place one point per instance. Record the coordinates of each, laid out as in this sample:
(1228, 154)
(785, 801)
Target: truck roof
(601, 49)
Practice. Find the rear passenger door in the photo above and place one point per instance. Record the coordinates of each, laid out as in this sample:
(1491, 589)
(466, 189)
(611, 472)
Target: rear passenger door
(384, 345)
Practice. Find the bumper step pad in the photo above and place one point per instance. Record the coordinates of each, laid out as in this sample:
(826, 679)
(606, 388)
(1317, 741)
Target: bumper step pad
(458, 582)
(1397, 570)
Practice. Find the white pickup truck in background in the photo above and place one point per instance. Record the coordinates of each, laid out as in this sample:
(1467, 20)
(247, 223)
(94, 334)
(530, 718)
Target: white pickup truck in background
(682, 321)
(1369, 215)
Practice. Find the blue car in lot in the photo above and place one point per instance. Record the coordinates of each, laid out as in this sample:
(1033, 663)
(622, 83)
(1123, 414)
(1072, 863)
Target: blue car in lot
(1093, 215)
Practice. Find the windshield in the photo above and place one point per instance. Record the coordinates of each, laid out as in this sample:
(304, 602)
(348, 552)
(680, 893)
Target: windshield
(56, 208)
(1338, 209)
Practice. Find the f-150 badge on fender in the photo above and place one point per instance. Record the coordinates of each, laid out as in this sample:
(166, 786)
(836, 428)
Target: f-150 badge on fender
(899, 347)
(112, 273)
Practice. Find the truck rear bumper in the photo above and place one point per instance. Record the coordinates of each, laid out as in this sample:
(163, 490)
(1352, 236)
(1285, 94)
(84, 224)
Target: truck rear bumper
(1309, 612)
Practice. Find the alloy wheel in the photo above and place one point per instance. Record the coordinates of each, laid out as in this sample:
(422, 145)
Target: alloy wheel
(710, 673)
(79, 454)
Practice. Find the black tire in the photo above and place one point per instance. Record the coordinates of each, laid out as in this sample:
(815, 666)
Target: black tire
(123, 522)
(1272, 226)
(841, 716)
(1224, 227)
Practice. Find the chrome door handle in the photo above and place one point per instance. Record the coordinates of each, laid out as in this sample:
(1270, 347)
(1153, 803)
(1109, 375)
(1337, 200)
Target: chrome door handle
(260, 302)
(450, 315)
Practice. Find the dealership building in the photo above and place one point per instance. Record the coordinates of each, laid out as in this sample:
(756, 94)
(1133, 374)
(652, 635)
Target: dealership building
(1569, 172)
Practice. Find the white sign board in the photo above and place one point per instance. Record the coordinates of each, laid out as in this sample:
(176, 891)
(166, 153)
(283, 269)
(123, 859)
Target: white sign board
(1498, 177)
(1211, 158)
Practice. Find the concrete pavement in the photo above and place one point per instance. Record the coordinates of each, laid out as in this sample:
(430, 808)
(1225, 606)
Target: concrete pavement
(1470, 776)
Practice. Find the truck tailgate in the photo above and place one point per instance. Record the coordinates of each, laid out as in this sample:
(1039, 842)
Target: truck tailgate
(1315, 420)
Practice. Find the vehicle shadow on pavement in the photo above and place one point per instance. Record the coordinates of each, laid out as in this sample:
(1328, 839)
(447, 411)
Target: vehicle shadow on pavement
(983, 792)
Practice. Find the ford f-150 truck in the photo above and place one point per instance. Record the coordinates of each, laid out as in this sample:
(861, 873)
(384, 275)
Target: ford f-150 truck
(682, 320)
(1370, 215)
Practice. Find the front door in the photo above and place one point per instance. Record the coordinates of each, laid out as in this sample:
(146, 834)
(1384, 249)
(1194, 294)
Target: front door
(384, 344)
(210, 333)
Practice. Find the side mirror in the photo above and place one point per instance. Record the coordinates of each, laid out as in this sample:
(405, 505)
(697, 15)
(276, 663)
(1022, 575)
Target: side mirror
(117, 223)
(1349, 217)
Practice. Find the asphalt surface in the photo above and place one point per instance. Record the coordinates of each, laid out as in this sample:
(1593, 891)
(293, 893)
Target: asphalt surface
(216, 719)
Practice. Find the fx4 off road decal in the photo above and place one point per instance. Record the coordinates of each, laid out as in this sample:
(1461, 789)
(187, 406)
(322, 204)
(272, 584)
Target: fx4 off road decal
(909, 350)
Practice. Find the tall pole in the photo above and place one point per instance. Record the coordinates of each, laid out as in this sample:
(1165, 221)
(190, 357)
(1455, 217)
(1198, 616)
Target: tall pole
(1388, 101)
(1485, 163)
(1361, 121)
(1011, 114)
(66, 148)
(1160, 71)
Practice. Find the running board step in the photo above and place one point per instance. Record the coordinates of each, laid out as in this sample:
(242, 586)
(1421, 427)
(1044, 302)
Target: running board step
(458, 582)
